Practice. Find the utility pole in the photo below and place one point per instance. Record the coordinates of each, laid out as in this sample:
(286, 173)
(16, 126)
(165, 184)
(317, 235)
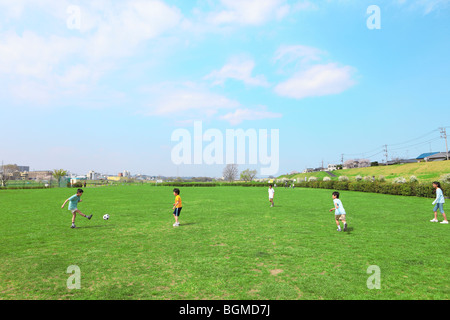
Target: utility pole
(342, 159)
(386, 153)
(444, 136)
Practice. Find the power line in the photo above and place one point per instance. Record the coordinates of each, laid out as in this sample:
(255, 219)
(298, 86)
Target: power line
(417, 144)
(363, 153)
(426, 134)
(384, 147)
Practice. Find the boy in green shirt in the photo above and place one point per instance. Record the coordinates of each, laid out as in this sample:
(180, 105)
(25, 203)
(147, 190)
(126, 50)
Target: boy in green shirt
(73, 203)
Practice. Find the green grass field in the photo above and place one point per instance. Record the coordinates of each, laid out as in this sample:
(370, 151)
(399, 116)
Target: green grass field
(230, 245)
(424, 171)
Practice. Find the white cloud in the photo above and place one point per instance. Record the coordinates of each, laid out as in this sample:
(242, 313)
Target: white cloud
(241, 115)
(185, 101)
(318, 80)
(297, 53)
(78, 59)
(305, 5)
(432, 5)
(240, 70)
(427, 6)
(249, 12)
(310, 76)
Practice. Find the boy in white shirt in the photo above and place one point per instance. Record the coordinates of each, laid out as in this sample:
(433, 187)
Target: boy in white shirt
(339, 211)
(271, 194)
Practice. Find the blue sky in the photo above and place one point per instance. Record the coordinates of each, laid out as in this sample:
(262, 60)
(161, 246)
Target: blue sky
(104, 88)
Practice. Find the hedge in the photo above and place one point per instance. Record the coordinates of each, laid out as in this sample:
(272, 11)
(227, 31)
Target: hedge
(402, 189)
(416, 189)
(214, 184)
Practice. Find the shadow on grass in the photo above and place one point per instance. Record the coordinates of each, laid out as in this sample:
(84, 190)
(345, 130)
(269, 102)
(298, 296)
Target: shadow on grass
(349, 230)
(89, 227)
(187, 224)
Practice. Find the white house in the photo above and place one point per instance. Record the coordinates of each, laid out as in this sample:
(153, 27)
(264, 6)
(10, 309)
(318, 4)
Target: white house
(332, 167)
(92, 175)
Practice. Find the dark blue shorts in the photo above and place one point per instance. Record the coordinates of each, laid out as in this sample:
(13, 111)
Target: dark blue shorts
(177, 211)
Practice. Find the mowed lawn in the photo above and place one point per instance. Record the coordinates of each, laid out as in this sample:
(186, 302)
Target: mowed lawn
(424, 171)
(230, 245)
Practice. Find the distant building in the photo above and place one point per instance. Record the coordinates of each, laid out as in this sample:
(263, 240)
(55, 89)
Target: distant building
(441, 156)
(424, 156)
(40, 175)
(92, 175)
(23, 168)
(332, 167)
(115, 178)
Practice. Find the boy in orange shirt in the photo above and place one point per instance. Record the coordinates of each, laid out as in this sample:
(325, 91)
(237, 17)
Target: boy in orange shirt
(177, 206)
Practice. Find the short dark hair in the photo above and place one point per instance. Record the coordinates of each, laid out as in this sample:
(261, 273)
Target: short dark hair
(336, 194)
(270, 185)
(80, 191)
(176, 190)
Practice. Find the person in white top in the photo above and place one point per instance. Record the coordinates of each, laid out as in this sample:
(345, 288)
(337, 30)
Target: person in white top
(439, 203)
(339, 211)
(271, 194)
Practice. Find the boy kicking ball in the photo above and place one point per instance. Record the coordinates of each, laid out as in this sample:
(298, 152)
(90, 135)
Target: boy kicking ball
(73, 203)
(177, 207)
(339, 211)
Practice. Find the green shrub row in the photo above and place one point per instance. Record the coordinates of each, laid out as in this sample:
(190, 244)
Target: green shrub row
(214, 184)
(26, 187)
(416, 189)
(402, 189)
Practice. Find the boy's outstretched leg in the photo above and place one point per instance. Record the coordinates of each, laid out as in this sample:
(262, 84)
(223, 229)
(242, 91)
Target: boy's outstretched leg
(74, 214)
(83, 215)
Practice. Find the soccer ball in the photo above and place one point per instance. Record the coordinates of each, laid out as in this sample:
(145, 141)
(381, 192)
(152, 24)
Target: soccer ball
(106, 217)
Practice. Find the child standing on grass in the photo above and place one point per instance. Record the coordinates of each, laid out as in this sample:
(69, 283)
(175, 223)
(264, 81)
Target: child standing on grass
(73, 203)
(339, 211)
(271, 194)
(439, 203)
(177, 207)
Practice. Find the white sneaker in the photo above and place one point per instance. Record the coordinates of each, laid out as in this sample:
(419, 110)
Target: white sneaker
(445, 222)
(176, 224)
(434, 220)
